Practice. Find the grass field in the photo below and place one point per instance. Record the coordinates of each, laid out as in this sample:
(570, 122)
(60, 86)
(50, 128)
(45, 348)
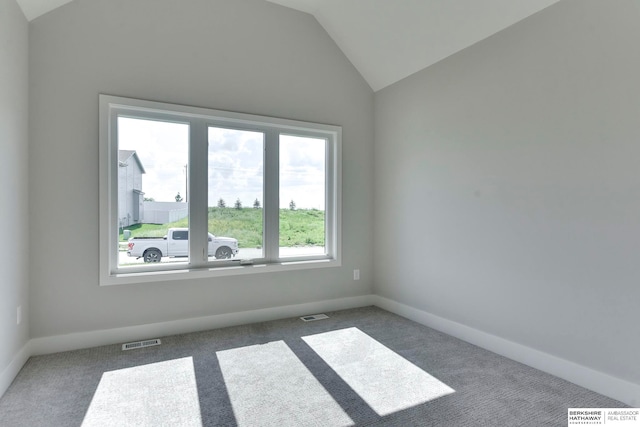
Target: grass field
(297, 227)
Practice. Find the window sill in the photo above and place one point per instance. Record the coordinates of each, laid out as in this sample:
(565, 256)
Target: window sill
(203, 273)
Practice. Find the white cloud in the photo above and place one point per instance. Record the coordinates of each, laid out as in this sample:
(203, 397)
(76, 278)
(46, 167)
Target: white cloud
(236, 163)
(162, 148)
(302, 171)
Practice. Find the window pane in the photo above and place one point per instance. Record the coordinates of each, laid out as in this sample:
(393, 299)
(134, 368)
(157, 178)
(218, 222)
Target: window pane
(302, 196)
(236, 194)
(152, 191)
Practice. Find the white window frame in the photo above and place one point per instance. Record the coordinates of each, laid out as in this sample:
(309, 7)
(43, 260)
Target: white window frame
(200, 119)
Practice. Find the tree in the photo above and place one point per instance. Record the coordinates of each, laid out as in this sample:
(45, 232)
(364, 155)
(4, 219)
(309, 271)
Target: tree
(178, 197)
(237, 204)
(221, 203)
(256, 204)
(292, 205)
(149, 199)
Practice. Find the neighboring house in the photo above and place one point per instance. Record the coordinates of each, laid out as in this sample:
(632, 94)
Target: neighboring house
(130, 194)
(132, 209)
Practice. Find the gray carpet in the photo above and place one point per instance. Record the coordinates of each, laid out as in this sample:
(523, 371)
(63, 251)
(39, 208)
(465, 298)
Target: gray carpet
(364, 367)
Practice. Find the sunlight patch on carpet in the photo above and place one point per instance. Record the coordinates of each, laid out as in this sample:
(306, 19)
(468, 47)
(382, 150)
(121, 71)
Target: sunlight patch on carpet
(382, 378)
(268, 385)
(158, 394)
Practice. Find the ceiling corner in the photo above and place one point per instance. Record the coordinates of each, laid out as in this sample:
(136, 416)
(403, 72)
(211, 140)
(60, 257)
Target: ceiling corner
(33, 9)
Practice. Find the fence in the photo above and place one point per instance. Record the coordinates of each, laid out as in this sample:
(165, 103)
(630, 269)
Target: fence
(164, 212)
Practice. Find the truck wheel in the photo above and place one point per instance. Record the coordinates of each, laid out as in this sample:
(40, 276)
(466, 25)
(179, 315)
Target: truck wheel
(152, 255)
(223, 252)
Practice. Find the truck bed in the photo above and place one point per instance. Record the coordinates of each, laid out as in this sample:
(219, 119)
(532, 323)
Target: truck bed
(148, 238)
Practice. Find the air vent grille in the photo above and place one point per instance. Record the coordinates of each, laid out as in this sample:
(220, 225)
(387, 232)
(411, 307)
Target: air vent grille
(314, 317)
(140, 344)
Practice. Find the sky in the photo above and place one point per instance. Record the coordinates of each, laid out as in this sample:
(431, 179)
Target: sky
(236, 164)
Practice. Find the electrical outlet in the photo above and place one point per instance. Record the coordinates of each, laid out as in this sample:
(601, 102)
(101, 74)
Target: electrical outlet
(356, 274)
(19, 315)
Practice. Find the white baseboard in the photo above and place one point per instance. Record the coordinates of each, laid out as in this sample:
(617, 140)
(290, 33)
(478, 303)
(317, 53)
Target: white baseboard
(80, 340)
(11, 371)
(607, 385)
(599, 382)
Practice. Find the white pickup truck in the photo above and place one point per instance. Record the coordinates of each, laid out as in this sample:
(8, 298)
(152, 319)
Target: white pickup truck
(176, 244)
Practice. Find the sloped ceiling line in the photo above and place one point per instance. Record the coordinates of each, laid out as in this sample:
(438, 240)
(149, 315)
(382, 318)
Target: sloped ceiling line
(389, 40)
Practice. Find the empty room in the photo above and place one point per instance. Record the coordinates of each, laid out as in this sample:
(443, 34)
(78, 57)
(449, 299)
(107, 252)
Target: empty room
(320, 212)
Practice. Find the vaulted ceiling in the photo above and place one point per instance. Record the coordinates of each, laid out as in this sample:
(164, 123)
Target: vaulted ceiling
(389, 40)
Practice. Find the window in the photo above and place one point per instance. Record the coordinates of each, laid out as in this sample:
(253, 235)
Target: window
(199, 192)
(181, 235)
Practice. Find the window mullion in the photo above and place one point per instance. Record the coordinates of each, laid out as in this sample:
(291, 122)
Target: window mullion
(271, 196)
(334, 196)
(112, 188)
(197, 199)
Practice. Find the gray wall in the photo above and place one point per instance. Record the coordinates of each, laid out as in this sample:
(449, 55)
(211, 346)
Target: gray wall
(14, 284)
(507, 178)
(249, 56)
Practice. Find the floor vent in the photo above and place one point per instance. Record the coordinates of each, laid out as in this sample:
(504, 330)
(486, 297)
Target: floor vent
(140, 344)
(314, 317)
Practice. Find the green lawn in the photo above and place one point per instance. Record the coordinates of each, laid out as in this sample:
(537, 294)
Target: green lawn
(297, 228)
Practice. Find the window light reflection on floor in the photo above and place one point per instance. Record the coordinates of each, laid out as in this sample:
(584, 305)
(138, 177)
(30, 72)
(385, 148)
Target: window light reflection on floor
(268, 385)
(382, 378)
(163, 393)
